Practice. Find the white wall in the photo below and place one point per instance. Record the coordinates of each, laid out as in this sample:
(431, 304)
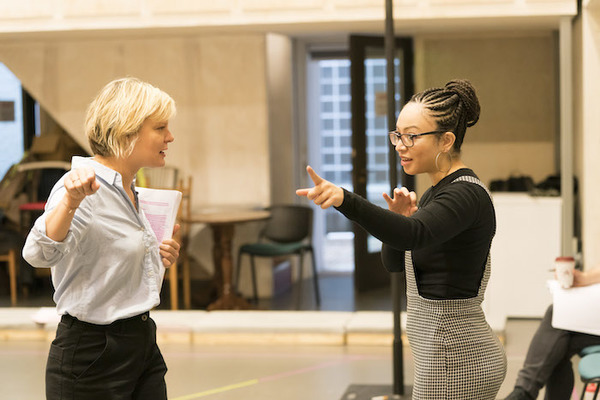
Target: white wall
(590, 137)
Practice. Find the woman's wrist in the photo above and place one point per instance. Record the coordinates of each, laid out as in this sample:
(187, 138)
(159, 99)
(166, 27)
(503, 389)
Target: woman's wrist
(69, 204)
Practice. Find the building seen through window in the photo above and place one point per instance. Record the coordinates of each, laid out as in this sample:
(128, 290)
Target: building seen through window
(333, 136)
(11, 119)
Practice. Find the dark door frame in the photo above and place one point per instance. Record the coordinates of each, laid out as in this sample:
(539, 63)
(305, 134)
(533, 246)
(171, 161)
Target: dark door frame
(369, 272)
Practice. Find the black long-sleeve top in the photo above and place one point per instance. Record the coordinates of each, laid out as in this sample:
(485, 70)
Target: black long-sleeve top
(450, 235)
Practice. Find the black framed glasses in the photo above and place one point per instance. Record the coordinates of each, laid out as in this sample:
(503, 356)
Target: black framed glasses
(408, 139)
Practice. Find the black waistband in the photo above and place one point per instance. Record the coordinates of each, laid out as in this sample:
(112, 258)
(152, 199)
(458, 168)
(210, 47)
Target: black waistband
(70, 321)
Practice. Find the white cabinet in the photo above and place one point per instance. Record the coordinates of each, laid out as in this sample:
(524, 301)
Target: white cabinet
(527, 242)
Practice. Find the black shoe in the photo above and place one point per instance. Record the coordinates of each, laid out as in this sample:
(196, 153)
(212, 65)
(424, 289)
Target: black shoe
(519, 394)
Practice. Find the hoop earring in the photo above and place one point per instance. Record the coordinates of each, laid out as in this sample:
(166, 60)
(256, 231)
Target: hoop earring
(437, 157)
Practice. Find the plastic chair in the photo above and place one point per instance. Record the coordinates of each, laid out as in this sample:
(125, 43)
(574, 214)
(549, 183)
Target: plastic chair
(589, 371)
(287, 232)
(589, 350)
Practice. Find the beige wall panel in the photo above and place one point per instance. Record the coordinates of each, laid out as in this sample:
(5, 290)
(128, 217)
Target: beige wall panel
(578, 143)
(26, 9)
(79, 70)
(100, 8)
(31, 63)
(591, 139)
(267, 5)
(283, 153)
(500, 160)
(467, 2)
(189, 6)
(231, 96)
(370, 3)
(219, 84)
(515, 79)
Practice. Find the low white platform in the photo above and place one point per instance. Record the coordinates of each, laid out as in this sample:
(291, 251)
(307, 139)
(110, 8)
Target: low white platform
(229, 327)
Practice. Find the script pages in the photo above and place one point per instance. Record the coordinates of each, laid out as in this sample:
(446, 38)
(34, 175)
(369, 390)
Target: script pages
(160, 208)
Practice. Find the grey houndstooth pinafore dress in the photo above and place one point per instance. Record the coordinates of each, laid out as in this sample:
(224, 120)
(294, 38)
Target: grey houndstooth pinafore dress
(456, 354)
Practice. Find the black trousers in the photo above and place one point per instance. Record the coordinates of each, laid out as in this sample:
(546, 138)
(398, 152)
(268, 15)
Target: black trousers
(120, 361)
(548, 361)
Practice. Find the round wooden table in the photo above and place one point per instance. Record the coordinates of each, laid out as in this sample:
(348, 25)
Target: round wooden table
(222, 222)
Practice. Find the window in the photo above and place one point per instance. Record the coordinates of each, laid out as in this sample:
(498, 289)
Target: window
(329, 99)
(11, 119)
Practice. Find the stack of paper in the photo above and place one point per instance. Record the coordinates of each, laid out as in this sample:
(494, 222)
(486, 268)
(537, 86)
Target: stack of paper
(160, 208)
(576, 309)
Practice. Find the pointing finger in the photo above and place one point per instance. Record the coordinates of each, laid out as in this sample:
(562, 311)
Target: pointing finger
(313, 175)
(302, 192)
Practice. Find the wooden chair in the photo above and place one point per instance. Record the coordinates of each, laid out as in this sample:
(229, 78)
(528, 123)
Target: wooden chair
(9, 248)
(158, 178)
(165, 178)
(11, 259)
(183, 237)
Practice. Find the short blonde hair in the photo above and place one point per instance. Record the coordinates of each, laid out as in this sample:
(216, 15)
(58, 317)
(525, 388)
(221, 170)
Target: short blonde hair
(116, 115)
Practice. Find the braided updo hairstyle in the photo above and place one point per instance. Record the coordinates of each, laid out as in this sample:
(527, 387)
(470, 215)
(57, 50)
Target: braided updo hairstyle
(454, 107)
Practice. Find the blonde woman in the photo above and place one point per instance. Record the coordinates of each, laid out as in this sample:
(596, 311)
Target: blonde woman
(447, 240)
(104, 256)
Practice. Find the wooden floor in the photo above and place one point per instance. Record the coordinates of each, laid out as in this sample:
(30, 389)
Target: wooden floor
(261, 371)
(228, 372)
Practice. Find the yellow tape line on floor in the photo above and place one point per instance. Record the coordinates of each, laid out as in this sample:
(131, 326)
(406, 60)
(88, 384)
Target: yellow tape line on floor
(218, 390)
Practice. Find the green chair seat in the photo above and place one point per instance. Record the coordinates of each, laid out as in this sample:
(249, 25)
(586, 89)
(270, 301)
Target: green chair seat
(272, 249)
(589, 367)
(287, 232)
(589, 350)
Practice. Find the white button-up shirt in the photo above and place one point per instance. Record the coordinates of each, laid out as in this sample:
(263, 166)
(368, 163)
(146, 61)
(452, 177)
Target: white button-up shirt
(108, 267)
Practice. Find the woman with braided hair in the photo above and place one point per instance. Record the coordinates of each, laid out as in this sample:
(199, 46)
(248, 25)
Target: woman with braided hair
(443, 244)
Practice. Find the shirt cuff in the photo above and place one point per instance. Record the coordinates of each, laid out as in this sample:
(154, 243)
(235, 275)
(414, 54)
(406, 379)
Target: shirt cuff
(48, 246)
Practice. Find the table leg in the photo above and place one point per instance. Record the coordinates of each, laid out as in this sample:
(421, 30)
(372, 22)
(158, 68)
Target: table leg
(228, 299)
(173, 282)
(187, 283)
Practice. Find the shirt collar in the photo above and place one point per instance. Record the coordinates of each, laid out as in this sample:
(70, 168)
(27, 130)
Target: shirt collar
(107, 174)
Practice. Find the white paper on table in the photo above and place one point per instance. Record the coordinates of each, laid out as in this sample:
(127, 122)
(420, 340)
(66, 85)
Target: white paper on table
(576, 309)
(160, 208)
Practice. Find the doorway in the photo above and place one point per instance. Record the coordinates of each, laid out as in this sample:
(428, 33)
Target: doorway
(371, 170)
(330, 151)
(348, 144)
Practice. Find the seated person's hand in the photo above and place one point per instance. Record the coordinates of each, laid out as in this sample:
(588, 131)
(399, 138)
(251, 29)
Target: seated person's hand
(585, 278)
